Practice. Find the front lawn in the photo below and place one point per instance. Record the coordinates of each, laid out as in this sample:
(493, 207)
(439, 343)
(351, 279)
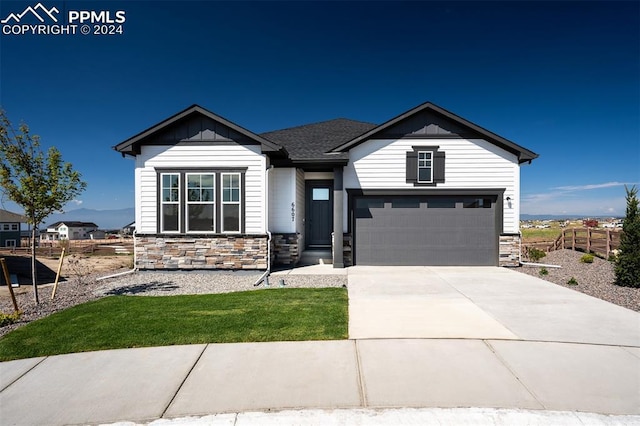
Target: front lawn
(128, 322)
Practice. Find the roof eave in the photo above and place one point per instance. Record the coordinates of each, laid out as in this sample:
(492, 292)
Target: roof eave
(524, 155)
(131, 146)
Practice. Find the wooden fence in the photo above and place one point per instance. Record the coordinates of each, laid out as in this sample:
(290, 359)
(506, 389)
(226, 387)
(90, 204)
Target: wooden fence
(54, 248)
(598, 241)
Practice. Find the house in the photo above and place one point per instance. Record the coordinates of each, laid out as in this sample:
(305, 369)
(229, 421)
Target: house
(69, 230)
(128, 229)
(426, 187)
(10, 232)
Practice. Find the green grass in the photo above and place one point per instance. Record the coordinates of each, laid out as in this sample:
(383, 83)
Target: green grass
(548, 234)
(139, 321)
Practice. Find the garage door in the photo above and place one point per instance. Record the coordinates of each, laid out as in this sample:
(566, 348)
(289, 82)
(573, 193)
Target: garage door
(425, 230)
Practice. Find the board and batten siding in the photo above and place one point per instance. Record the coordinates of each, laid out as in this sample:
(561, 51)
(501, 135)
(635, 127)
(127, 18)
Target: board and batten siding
(203, 157)
(475, 163)
(282, 193)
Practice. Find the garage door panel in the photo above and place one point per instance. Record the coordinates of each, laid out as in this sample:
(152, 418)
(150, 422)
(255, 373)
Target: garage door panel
(425, 231)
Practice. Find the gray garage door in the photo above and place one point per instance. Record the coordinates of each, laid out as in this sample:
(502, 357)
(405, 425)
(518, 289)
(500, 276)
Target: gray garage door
(425, 230)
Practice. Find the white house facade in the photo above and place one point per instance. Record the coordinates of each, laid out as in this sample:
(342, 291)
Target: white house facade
(424, 188)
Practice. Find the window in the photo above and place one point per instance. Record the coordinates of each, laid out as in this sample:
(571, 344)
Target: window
(170, 202)
(425, 166)
(477, 203)
(320, 194)
(230, 202)
(200, 202)
(14, 226)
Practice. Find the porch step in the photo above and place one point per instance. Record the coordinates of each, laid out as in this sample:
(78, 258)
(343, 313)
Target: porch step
(316, 257)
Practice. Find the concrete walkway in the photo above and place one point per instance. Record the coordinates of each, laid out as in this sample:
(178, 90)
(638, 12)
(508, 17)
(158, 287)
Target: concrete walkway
(520, 349)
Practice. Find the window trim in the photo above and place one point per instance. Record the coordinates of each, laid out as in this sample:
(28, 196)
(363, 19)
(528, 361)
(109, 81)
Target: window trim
(188, 203)
(162, 203)
(232, 203)
(182, 206)
(430, 160)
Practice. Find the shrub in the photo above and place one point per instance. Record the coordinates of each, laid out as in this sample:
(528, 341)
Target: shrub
(6, 319)
(536, 254)
(543, 271)
(587, 258)
(627, 266)
(572, 281)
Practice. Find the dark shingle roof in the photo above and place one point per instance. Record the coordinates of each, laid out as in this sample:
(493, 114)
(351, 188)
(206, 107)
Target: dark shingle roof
(73, 224)
(7, 216)
(312, 141)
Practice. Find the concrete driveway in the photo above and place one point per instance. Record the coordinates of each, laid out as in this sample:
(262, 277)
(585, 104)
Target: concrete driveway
(420, 337)
(480, 303)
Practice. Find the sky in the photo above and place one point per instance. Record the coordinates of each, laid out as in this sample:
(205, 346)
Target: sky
(561, 79)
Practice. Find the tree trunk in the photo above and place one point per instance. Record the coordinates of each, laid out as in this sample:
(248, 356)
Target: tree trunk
(34, 274)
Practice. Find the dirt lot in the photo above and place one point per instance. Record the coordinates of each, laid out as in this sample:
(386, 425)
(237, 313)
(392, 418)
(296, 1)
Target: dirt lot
(73, 267)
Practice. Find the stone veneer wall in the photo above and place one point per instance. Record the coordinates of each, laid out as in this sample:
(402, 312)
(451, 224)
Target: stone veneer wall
(284, 249)
(509, 250)
(201, 252)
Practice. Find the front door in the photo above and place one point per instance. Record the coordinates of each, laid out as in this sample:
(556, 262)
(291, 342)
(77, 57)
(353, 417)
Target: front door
(319, 213)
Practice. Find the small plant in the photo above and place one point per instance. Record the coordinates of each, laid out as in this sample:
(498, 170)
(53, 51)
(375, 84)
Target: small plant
(6, 319)
(79, 269)
(543, 271)
(572, 281)
(536, 254)
(587, 258)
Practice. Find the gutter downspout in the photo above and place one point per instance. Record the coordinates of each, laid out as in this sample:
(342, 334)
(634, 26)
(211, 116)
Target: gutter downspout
(265, 277)
(135, 248)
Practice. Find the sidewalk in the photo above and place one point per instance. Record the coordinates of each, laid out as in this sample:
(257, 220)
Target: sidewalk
(530, 376)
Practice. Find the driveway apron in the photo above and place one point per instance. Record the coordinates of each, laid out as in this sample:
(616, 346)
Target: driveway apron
(414, 302)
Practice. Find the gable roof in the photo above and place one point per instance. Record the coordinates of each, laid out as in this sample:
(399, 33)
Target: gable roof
(132, 145)
(7, 216)
(313, 141)
(523, 154)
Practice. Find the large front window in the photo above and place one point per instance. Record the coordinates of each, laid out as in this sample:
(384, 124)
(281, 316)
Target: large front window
(201, 201)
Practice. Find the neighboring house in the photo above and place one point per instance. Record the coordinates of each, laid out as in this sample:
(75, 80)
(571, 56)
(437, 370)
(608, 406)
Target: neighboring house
(69, 230)
(10, 232)
(129, 229)
(424, 188)
(97, 235)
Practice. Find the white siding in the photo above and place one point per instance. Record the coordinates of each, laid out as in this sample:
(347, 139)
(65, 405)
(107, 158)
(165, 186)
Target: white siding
(202, 156)
(469, 164)
(282, 193)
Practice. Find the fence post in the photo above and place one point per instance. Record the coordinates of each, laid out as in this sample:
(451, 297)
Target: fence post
(588, 239)
(562, 240)
(573, 239)
(608, 242)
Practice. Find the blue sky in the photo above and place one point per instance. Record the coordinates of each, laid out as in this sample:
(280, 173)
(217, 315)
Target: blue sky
(559, 78)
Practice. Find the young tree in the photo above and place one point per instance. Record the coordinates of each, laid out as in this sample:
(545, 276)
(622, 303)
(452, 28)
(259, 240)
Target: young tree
(41, 183)
(628, 261)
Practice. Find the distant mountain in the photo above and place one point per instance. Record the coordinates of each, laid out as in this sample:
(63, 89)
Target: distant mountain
(105, 219)
(560, 216)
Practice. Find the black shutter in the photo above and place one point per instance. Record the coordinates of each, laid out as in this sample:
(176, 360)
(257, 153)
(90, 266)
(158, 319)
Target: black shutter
(438, 167)
(412, 167)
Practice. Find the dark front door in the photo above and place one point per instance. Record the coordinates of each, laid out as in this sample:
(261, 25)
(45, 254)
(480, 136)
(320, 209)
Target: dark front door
(319, 213)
